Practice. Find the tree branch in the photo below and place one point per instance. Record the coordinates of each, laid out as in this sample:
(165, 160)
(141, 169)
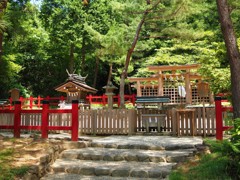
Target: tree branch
(130, 51)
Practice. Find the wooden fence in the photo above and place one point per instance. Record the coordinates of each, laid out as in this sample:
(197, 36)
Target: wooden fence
(204, 122)
(115, 121)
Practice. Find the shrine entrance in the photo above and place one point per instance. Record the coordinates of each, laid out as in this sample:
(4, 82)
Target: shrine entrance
(179, 82)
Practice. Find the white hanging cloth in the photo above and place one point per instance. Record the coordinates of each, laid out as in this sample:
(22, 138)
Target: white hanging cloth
(181, 91)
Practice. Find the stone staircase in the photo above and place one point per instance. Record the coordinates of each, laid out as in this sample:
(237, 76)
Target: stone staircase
(124, 157)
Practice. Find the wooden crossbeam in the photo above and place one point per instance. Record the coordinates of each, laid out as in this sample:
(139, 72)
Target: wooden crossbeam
(155, 78)
(172, 68)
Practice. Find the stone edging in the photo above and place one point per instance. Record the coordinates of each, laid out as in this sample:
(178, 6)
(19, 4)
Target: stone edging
(43, 167)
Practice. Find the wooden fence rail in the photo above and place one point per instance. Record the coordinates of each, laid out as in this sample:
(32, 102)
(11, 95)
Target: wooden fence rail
(105, 121)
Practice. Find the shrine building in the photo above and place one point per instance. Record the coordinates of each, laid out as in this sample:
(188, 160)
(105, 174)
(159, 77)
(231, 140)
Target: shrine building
(180, 82)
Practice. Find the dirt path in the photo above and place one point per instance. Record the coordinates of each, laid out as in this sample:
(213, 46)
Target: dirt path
(26, 151)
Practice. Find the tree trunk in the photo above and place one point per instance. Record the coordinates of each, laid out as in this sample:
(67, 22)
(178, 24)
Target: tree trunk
(232, 52)
(96, 72)
(109, 73)
(83, 54)
(129, 54)
(71, 59)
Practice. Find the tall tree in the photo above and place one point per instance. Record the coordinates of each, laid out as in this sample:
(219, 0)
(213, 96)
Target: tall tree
(129, 54)
(151, 7)
(232, 52)
(112, 45)
(12, 44)
(64, 20)
(3, 6)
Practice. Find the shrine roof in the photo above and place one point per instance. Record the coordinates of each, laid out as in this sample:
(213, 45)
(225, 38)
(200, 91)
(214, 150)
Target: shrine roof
(74, 85)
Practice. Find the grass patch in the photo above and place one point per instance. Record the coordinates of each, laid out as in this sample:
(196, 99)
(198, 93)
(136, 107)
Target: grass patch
(7, 172)
(209, 166)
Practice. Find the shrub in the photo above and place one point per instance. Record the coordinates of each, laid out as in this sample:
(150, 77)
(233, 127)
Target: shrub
(234, 155)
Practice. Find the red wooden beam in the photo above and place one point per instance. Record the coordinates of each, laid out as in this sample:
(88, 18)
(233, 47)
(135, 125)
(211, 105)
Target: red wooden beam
(17, 119)
(226, 128)
(6, 111)
(230, 109)
(45, 117)
(219, 120)
(31, 127)
(66, 128)
(6, 127)
(75, 123)
(59, 111)
(30, 111)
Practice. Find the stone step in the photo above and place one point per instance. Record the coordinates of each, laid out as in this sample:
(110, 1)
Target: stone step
(111, 154)
(67, 176)
(146, 142)
(124, 158)
(113, 168)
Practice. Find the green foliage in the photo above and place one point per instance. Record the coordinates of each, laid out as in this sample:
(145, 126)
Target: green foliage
(36, 47)
(230, 149)
(234, 165)
(5, 154)
(19, 171)
(210, 166)
(193, 38)
(24, 39)
(216, 165)
(67, 23)
(235, 139)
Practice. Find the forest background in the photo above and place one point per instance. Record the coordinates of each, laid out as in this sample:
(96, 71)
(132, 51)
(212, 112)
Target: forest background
(38, 43)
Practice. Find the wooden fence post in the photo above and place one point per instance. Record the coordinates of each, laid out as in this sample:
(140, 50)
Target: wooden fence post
(94, 121)
(75, 122)
(133, 99)
(21, 99)
(61, 98)
(132, 120)
(174, 121)
(45, 119)
(11, 103)
(31, 102)
(17, 119)
(90, 98)
(104, 98)
(219, 120)
(38, 101)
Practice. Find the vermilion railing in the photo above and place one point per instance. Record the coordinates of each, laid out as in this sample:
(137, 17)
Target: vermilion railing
(44, 127)
(219, 109)
(116, 99)
(31, 102)
(36, 102)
